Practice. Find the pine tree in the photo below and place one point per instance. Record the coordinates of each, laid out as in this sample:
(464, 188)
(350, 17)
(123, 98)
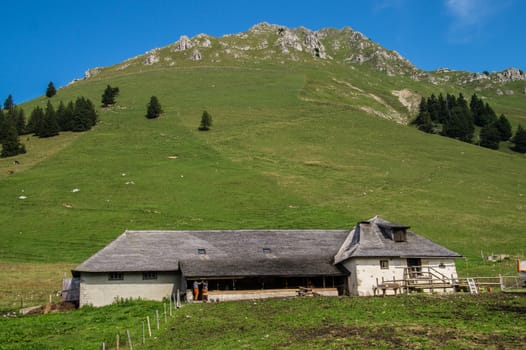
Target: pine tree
(109, 95)
(35, 120)
(206, 121)
(490, 136)
(442, 109)
(51, 91)
(459, 125)
(519, 140)
(8, 103)
(477, 110)
(154, 109)
(503, 125)
(84, 116)
(49, 126)
(11, 145)
(3, 126)
(17, 115)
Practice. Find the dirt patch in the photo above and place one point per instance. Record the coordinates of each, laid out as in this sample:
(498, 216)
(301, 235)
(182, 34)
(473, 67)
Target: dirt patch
(392, 337)
(52, 308)
(408, 99)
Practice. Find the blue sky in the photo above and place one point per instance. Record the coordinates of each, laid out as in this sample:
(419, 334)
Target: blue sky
(57, 40)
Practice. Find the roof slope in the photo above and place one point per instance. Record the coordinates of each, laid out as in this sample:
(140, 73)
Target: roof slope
(374, 238)
(228, 253)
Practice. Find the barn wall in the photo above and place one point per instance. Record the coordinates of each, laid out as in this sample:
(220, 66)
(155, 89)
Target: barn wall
(365, 272)
(97, 290)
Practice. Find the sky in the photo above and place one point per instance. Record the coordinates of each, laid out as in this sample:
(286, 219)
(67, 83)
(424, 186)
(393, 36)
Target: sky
(58, 40)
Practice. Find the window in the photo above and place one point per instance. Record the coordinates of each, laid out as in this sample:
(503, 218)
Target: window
(115, 276)
(384, 264)
(399, 235)
(201, 251)
(149, 275)
(267, 250)
(442, 265)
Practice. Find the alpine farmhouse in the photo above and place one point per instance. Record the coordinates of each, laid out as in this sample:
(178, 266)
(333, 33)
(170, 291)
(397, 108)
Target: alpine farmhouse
(377, 256)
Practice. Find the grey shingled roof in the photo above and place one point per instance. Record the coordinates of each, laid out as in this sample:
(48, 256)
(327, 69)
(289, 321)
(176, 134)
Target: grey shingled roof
(373, 238)
(228, 253)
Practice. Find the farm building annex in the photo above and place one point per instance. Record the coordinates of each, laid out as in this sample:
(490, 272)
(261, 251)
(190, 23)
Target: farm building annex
(377, 255)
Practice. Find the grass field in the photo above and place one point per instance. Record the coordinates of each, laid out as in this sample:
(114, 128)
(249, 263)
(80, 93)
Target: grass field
(289, 148)
(489, 321)
(293, 145)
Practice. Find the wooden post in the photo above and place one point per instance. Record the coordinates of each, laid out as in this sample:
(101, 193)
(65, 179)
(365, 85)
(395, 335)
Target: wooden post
(178, 305)
(117, 341)
(49, 299)
(149, 327)
(130, 346)
(170, 306)
(157, 318)
(164, 305)
(103, 346)
(143, 335)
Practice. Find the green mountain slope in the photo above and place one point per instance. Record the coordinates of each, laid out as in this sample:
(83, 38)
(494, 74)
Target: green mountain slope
(310, 138)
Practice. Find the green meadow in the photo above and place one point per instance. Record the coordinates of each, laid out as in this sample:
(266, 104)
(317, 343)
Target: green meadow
(490, 321)
(291, 146)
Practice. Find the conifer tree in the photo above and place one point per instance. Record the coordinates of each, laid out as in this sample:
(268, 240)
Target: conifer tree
(49, 126)
(11, 145)
(3, 125)
(206, 121)
(17, 115)
(490, 136)
(9, 103)
(154, 109)
(519, 140)
(51, 91)
(84, 116)
(35, 120)
(504, 127)
(109, 95)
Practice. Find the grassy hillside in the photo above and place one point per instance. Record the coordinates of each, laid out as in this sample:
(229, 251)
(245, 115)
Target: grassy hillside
(489, 321)
(296, 143)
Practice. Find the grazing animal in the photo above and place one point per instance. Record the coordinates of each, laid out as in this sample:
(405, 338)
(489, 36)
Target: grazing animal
(16, 162)
(10, 171)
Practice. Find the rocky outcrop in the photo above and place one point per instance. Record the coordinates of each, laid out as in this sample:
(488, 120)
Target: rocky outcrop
(152, 57)
(92, 72)
(287, 40)
(196, 56)
(182, 44)
(509, 75)
(314, 45)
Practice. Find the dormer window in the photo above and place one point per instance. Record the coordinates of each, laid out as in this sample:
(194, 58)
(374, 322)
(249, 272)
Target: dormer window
(201, 251)
(399, 235)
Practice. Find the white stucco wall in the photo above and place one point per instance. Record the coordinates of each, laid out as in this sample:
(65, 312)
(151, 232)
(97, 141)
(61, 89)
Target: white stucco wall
(366, 272)
(97, 290)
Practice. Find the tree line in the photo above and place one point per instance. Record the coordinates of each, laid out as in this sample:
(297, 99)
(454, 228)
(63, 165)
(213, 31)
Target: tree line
(453, 117)
(78, 116)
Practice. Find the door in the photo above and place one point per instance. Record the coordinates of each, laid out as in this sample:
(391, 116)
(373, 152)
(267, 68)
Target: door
(414, 267)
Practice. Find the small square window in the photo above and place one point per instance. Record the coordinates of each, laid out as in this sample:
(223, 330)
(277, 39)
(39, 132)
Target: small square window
(115, 276)
(149, 275)
(267, 250)
(201, 251)
(384, 264)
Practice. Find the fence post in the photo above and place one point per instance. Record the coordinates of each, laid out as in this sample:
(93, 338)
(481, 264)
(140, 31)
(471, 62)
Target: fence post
(170, 306)
(143, 335)
(164, 305)
(178, 305)
(117, 341)
(157, 318)
(130, 346)
(149, 327)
